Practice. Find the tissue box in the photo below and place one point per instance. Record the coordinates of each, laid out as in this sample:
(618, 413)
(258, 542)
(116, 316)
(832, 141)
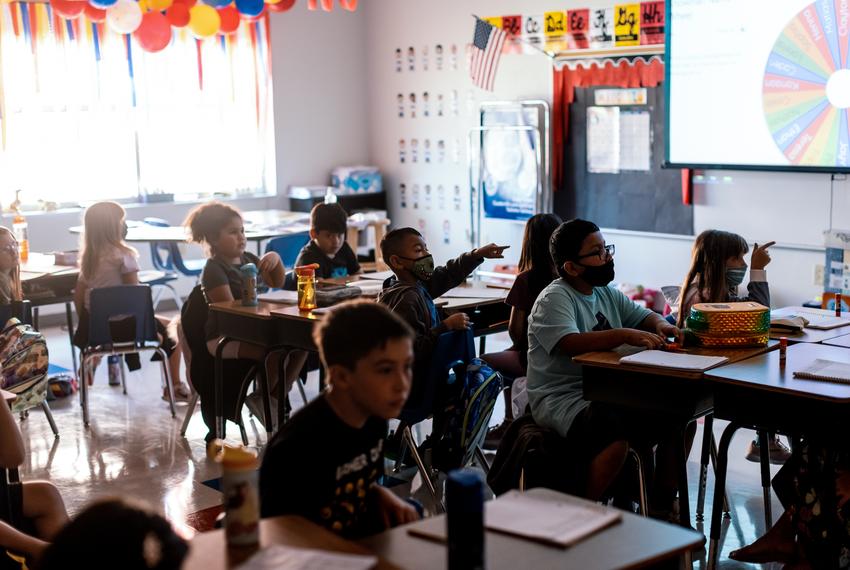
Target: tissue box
(357, 179)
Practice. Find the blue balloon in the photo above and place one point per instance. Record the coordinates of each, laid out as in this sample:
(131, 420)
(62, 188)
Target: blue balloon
(249, 7)
(103, 4)
(217, 3)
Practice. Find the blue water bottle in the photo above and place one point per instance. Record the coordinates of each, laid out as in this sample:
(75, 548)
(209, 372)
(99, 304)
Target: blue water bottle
(465, 519)
(249, 285)
(114, 365)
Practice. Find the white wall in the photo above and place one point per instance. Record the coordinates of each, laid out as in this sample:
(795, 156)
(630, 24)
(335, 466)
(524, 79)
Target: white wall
(791, 208)
(320, 93)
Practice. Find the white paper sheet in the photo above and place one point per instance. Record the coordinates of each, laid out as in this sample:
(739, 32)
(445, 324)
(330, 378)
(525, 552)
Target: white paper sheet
(285, 558)
(678, 361)
(284, 297)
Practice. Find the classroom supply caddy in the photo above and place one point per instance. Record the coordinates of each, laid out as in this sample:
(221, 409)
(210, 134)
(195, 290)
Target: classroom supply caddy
(741, 324)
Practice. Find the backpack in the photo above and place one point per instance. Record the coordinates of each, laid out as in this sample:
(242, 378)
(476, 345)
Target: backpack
(23, 364)
(467, 416)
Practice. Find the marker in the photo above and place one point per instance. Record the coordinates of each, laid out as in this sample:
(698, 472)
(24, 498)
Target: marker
(783, 349)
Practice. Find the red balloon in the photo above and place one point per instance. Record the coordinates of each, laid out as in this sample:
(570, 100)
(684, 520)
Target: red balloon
(255, 18)
(178, 15)
(281, 6)
(95, 14)
(229, 19)
(154, 33)
(69, 9)
(187, 3)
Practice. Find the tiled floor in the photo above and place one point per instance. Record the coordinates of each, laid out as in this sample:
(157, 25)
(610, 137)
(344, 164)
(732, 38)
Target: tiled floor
(133, 449)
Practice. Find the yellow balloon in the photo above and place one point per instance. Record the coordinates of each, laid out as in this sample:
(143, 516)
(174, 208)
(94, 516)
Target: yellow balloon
(204, 20)
(267, 1)
(159, 5)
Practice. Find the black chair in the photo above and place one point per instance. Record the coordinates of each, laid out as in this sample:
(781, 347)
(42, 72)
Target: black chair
(453, 350)
(130, 309)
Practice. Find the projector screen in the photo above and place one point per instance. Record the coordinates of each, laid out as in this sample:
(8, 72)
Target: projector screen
(758, 84)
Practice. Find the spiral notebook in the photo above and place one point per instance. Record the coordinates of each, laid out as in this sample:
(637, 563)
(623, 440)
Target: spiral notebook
(826, 371)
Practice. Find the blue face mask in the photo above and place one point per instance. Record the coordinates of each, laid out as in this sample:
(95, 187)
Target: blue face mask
(735, 276)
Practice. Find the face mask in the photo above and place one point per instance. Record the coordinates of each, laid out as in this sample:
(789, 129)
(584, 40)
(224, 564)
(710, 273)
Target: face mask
(735, 275)
(423, 267)
(598, 275)
(124, 230)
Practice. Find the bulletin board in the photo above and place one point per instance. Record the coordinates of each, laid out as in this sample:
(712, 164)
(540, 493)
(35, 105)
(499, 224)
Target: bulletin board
(612, 165)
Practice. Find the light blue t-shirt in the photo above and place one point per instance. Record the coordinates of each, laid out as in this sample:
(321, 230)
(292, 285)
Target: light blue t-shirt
(554, 381)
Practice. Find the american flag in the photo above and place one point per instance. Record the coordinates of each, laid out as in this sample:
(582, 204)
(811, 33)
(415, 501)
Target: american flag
(486, 51)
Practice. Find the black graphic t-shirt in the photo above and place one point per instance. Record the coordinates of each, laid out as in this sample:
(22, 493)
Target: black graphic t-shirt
(343, 264)
(321, 468)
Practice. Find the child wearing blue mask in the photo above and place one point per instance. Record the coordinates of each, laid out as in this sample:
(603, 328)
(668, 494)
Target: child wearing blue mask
(717, 270)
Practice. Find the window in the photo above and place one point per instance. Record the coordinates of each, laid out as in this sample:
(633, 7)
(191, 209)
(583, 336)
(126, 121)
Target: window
(88, 115)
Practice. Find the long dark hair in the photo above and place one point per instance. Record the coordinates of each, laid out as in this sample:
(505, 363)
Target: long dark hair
(535, 256)
(712, 249)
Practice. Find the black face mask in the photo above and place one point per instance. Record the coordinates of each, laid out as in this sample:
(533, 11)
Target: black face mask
(598, 275)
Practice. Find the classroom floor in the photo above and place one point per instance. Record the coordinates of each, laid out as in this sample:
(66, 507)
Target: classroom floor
(133, 449)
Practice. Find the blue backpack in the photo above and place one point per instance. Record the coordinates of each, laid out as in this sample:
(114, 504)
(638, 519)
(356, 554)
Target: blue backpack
(467, 416)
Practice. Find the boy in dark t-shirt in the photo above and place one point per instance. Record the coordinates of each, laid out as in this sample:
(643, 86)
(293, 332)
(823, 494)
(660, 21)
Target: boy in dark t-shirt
(327, 246)
(325, 463)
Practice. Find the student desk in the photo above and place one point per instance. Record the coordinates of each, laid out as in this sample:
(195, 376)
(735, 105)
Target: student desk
(280, 327)
(810, 335)
(760, 394)
(45, 283)
(635, 542)
(679, 394)
(839, 341)
(208, 550)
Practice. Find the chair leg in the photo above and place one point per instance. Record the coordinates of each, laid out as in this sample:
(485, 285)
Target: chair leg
(423, 471)
(84, 385)
(69, 318)
(123, 375)
(242, 431)
(302, 391)
(726, 511)
(47, 413)
(167, 376)
(764, 453)
(177, 299)
(642, 494)
(482, 459)
(157, 296)
(189, 413)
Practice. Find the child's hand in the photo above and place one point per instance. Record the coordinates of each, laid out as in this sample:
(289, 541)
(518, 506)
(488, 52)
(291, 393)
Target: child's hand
(457, 322)
(269, 262)
(393, 510)
(760, 257)
(667, 330)
(634, 337)
(491, 251)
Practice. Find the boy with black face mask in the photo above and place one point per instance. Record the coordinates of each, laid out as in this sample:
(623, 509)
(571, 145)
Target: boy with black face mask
(579, 313)
(417, 283)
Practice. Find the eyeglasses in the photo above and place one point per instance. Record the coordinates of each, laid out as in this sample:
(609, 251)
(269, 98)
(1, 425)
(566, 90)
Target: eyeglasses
(603, 252)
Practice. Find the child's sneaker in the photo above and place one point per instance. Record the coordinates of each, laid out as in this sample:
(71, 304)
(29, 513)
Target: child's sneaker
(779, 453)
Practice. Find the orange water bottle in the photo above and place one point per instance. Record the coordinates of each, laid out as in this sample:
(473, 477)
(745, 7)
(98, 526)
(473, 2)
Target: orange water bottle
(306, 286)
(19, 228)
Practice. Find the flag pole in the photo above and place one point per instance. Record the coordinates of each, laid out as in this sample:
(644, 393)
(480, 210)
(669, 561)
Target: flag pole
(522, 41)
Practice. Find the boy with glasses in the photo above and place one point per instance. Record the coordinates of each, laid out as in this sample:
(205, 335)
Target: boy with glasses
(576, 314)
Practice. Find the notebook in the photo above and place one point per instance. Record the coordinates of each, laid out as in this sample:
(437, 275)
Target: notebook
(474, 293)
(818, 320)
(674, 360)
(285, 297)
(825, 370)
(541, 515)
(377, 276)
(792, 324)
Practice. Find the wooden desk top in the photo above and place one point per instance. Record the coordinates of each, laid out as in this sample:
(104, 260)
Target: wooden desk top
(611, 359)
(261, 311)
(209, 552)
(763, 372)
(633, 543)
(42, 265)
(839, 341)
(810, 335)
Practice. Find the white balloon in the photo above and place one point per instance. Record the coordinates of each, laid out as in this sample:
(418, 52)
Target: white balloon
(124, 16)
